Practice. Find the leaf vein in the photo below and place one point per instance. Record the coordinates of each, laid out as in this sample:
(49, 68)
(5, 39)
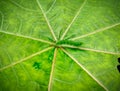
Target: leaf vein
(51, 30)
(52, 70)
(73, 19)
(94, 78)
(90, 49)
(27, 37)
(51, 7)
(96, 31)
(26, 58)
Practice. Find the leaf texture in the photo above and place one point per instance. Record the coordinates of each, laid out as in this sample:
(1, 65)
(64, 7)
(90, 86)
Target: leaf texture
(59, 45)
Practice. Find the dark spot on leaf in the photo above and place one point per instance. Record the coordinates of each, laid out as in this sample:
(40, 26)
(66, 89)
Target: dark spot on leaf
(50, 57)
(119, 60)
(37, 65)
(69, 42)
(118, 67)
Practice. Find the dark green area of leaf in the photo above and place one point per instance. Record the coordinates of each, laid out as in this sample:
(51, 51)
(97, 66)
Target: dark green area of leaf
(37, 65)
(69, 42)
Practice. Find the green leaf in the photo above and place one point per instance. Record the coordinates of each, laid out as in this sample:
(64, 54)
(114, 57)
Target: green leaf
(59, 45)
(68, 42)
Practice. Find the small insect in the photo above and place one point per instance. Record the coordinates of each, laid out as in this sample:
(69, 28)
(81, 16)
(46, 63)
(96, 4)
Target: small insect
(118, 67)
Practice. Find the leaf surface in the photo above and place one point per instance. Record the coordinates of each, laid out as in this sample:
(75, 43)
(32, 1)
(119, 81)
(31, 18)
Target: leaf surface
(59, 45)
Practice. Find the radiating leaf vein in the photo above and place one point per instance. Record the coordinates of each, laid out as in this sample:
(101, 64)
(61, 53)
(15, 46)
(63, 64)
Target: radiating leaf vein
(52, 70)
(94, 78)
(51, 30)
(90, 49)
(74, 19)
(26, 37)
(26, 58)
(96, 31)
